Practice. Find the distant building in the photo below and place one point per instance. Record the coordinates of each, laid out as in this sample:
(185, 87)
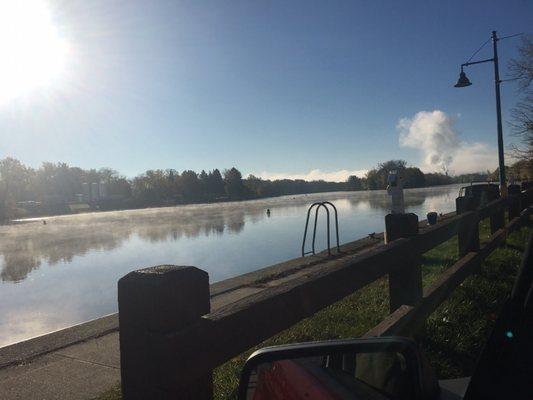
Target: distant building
(86, 192)
(95, 192)
(103, 190)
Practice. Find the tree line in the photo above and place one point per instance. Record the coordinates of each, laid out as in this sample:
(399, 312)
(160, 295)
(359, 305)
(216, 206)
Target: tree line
(50, 188)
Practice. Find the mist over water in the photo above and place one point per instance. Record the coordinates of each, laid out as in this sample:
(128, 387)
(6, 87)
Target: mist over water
(65, 272)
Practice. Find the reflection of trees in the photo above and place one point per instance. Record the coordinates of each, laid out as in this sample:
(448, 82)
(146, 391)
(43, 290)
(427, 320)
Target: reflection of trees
(18, 265)
(236, 222)
(193, 224)
(381, 200)
(25, 247)
(25, 252)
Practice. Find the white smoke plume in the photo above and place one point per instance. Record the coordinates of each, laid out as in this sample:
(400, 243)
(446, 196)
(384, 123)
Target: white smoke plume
(434, 134)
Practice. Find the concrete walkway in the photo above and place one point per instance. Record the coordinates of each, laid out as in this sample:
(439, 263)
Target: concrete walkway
(79, 371)
(83, 361)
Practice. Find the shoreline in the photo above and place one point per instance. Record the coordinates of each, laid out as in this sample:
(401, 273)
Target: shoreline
(20, 221)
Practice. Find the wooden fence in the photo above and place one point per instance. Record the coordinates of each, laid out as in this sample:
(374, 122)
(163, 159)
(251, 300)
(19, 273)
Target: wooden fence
(170, 341)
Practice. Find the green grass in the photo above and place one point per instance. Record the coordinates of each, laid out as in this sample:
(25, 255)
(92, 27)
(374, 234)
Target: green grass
(457, 330)
(454, 334)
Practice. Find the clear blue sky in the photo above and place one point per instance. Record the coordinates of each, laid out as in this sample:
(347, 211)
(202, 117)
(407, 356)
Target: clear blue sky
(268, 86)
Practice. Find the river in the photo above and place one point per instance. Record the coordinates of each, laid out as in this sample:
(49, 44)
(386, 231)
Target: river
(65, 272)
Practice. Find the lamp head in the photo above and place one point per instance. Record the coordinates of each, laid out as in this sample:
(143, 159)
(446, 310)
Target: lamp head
(463, 81)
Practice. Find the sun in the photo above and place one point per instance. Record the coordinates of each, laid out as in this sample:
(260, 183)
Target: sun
(32, 53)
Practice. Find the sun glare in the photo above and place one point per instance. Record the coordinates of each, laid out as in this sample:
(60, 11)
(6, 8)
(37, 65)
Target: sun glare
(32, 53)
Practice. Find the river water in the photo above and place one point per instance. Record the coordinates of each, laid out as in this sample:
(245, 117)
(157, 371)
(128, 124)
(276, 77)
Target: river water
(65, 272)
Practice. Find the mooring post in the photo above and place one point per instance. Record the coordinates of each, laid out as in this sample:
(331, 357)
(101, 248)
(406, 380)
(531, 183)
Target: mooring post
(525, 186)
(468, 230)
(497, 219)
(515, 203)
(528, 195)
(405, 282)
(151, 302)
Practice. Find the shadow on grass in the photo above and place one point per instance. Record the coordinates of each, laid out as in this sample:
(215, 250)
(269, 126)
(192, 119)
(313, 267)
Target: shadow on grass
(458, 329)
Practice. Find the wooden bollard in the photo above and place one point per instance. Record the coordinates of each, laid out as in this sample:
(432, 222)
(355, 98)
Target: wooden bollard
(514, 201)
(468, 230)
(514, 205)
(514, 190)
(526, 194)
(405, 282)
(497, 220)
(151, 302)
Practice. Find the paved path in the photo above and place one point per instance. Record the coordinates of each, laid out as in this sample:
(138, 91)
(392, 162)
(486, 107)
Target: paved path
(80, 371)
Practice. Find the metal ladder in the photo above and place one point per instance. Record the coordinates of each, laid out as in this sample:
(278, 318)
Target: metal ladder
(318, 205)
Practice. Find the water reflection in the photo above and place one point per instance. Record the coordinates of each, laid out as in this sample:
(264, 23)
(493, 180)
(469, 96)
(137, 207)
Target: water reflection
(25, 246)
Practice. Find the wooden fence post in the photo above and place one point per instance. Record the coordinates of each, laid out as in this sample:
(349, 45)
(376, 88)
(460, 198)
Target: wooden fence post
(468, 230)
(157, 300)
(405, 282)
(515, 203)
(526, 194)
(497, 219)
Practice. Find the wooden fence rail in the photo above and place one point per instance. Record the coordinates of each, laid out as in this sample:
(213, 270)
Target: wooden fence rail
(170, 342)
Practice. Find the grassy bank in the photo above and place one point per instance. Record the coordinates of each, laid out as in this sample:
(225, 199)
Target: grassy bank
(455, 333)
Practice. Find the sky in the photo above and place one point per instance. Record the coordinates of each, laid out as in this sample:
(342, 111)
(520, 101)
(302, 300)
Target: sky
(307, 89)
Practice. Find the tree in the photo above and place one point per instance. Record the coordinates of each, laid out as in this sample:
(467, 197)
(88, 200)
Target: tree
(435, 179)
(233, 183)
(372, 180)
(521, 68)
(204, 184)
(152, 188)
(190, 185)
(15, 178)
(354, 183)
(258, 187)
(4, 215)
(413, 178)
(377, 178)
(107, 175)
(216, 184)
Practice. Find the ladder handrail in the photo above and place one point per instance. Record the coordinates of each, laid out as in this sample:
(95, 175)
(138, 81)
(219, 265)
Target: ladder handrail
(319, 205)
(336, 223)
(306, 226)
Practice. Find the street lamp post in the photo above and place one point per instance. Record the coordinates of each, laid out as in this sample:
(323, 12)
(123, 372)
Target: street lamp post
(464, 82)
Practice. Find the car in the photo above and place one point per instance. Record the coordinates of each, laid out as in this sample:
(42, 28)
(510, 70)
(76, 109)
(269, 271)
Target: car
(481, 192)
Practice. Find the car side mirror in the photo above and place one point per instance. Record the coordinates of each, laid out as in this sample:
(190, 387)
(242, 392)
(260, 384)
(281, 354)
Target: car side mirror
(375, 368)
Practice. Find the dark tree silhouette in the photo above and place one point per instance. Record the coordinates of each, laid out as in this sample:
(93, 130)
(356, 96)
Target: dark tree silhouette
(354, 183)
(216, 184)
(521, 68)
(233, 183)
(190, 186)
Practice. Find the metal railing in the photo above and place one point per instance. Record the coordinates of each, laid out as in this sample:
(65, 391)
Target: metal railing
(317, 206)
